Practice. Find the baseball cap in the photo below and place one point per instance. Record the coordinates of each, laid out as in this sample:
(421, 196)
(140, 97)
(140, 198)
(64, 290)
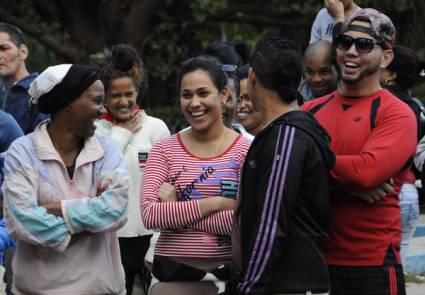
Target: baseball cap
(382, 29)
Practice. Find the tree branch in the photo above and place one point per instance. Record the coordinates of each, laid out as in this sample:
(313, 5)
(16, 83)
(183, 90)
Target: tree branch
(260, 20)
(62, 48)
(244, 13)
(82, 19)
(141, 19)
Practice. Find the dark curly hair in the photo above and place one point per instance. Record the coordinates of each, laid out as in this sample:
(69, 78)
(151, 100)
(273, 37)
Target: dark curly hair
(243, 72)
(228, 53)
(278, 65)
(408, 66)
(124, 61)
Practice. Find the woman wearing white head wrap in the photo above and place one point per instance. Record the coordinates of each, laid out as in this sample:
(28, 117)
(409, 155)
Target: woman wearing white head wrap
(65, 192)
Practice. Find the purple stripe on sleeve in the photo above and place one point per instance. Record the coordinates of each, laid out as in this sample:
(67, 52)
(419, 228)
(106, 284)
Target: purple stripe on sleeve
(276, 211)
(265, 209)
(272, 203)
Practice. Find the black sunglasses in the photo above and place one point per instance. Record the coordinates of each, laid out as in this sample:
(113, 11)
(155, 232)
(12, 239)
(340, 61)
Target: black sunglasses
(363, 45)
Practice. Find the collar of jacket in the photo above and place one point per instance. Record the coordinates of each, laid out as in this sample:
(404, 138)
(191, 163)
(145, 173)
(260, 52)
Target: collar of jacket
(92, 150)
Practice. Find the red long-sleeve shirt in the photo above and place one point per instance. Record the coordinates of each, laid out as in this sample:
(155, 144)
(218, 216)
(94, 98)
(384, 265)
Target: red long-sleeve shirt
(184, 233)
(373, 138)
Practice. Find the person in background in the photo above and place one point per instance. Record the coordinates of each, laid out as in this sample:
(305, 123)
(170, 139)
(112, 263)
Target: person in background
(251, 120)
(233, 55)
(5, 243)
(228, 108)
(283, 200)
(320, 75)
(65, 191)
(335, 11)
(13, 54)
(9, 130)
(190, 185)
(3, 91)
(367, 125)
(405, 72)
(135, 132)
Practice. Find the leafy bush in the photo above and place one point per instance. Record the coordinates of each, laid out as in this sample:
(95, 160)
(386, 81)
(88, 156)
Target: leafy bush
(171, 116)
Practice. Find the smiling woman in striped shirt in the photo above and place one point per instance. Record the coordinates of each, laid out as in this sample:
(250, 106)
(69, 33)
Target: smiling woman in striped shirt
(190, 186)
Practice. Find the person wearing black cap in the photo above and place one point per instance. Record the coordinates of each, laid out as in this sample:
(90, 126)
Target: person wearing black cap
(367, 125)
(65, 191)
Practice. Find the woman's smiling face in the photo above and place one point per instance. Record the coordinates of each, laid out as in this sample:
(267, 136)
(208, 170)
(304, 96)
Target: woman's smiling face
(200, 100)
(121, 98)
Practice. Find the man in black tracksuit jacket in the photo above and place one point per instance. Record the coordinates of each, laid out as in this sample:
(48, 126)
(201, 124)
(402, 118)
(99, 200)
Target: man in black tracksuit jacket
(283, 203)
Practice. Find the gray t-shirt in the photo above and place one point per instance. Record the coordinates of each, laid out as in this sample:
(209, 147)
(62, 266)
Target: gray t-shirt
(322, 26)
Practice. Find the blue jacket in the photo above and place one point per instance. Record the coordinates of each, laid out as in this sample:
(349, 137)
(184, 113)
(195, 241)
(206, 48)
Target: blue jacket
(17, 105)
(9, 130)
(5, 240)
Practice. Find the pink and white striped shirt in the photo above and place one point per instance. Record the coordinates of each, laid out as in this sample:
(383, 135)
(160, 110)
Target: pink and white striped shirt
(184, 233)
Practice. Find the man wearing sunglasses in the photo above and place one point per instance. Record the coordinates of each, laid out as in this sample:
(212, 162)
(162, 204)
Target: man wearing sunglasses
(373, 136)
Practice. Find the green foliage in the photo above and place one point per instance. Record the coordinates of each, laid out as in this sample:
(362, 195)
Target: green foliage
(171, 116)
(203, 8)
(189, 26)
(40, 57)
(171, 43)
(246, 33)
(399, 5)
(162, 49)
(417, 279)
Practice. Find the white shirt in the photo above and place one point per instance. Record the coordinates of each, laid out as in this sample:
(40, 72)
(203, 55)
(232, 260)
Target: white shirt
(135, 148)
(322, 26)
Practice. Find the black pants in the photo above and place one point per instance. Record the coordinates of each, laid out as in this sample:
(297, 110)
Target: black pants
(367, 280)
(133, 251)
(165, 269)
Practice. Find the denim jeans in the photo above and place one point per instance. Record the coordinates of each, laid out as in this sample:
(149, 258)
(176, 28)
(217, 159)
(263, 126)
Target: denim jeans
(409, 208)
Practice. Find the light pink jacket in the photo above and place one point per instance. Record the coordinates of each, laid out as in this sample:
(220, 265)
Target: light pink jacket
(49, 259)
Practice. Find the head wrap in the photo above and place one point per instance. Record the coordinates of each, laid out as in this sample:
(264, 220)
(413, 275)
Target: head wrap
(58, 86)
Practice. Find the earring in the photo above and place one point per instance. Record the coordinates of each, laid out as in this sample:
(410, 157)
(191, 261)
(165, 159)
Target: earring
(388, 82)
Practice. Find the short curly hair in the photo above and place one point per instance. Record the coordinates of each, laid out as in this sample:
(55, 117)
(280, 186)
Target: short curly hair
(278, 65)
(408, 66)
(124, 62)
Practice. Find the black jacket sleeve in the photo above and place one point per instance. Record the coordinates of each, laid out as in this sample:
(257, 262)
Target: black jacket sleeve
(280, 176)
